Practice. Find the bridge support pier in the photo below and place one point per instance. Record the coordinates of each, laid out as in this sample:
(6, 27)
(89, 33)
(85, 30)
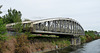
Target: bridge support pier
(75, 41)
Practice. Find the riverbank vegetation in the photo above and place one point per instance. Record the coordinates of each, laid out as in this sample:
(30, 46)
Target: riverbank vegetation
(89, 36)
(25, 44)
(36, 43)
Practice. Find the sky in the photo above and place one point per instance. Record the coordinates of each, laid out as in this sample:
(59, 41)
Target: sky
(86, 12)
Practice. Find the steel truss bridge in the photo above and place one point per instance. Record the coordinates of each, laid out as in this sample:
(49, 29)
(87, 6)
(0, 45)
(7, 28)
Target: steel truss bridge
(55, 26)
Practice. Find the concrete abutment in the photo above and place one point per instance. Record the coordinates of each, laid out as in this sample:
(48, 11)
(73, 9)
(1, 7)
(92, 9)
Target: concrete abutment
(75, 41)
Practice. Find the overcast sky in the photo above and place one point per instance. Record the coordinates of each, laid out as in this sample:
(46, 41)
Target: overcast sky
(86, 12)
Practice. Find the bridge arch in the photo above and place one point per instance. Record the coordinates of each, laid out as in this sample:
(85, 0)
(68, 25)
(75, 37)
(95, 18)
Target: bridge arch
(65, 26)
(59, 25)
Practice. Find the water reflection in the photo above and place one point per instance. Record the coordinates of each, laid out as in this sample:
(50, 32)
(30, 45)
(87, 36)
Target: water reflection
(91, 47)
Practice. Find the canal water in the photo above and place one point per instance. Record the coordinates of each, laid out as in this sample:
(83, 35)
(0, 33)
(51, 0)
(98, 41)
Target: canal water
(90, 47)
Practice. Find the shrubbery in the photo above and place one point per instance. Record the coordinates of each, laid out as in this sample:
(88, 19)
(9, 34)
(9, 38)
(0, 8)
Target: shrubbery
(89, 35)
(23, 44)
(2, 27)
(2, 30)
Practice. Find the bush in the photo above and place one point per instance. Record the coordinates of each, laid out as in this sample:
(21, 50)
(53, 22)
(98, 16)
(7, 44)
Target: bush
(1, 46)
(83, 39)
(89, 35)
(3, 38)
(2, 27)
(18, 27)
(22, 43)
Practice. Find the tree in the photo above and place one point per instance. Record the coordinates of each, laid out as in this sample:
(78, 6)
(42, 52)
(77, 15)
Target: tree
(18, 27)
(27, 29)
(0, 11)
(2, 27)
(0, 8)
(27, 20)
(12, 16)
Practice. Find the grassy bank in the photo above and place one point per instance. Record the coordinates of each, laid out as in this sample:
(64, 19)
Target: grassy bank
(33, 43)
(26, 44)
